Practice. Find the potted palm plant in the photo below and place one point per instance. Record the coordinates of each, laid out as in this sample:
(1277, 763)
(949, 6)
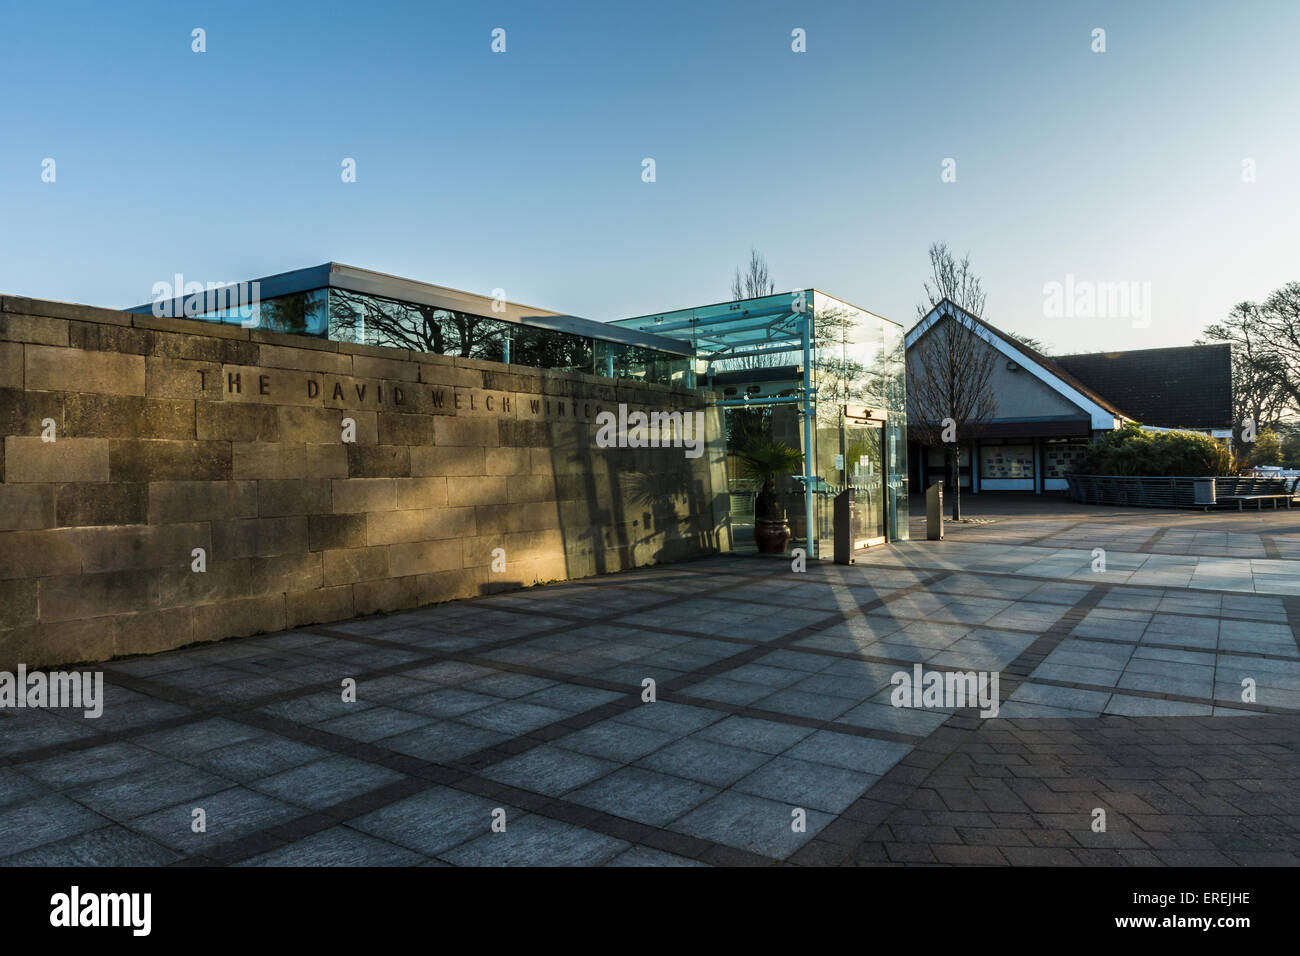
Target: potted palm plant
(764, 461)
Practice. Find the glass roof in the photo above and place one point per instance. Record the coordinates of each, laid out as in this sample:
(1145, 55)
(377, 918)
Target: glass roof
(730, 329)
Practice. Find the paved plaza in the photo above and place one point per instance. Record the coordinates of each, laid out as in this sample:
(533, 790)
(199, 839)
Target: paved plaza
(1148, 668)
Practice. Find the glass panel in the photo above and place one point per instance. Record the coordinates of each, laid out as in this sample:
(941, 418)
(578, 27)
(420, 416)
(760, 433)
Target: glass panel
(742, 425)
(616, 360)
(862, 463)
(302, 313)
(372, 320)
(895, 454)
(749, 334)
(546, 348)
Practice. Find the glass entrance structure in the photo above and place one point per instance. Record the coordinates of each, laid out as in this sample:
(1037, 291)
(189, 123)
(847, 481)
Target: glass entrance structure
(819, 374)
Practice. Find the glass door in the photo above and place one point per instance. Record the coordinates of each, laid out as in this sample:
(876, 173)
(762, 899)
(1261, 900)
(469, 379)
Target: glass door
(863, 470)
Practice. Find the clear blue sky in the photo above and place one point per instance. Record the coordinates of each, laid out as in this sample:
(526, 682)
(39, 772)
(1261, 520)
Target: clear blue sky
(522, 170)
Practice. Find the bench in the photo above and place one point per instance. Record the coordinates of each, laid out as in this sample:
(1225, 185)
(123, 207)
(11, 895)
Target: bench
(1257, 490)
(1242, 499)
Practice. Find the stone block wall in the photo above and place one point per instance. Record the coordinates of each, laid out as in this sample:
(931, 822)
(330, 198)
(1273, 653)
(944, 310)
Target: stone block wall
(172, 435)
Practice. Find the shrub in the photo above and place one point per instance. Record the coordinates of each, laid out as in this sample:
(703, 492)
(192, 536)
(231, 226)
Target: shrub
(1266, 450)
(1132, 451)
(763, 461)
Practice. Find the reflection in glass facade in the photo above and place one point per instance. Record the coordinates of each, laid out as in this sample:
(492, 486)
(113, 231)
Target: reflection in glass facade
(298, 313)
(858, 359)
(343, 315)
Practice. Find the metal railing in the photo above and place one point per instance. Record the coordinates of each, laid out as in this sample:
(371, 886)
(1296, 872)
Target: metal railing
(1171, 492)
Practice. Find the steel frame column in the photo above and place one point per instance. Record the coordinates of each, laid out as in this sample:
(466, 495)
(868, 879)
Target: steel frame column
(809, 411)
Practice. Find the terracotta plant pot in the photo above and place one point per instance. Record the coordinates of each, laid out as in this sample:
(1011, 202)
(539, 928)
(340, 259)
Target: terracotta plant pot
(771, 536)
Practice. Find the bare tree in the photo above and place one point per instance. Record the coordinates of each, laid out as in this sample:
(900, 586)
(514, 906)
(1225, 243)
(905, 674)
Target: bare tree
(951, 280)
(754, 282)
(403, 325)
(1038, 345)
(1265, 340)
(950, 395)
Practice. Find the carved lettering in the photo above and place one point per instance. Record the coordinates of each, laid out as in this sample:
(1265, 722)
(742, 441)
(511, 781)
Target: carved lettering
(461, 398)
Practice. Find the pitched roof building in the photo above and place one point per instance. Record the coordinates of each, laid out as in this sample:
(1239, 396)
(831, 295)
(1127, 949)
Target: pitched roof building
(1050, 408)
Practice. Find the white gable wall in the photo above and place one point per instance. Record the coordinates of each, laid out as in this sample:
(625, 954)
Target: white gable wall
(1021, 392)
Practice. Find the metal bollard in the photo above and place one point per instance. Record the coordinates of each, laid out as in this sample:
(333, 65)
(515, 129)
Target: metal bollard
(934, 512)
(845, 532)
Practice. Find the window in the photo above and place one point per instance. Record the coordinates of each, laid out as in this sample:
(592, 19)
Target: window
(1062, 455)
(999, 459)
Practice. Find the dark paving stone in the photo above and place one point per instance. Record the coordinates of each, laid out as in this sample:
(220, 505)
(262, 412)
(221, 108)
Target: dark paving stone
(18, 788)
(705, 760)
(616, 740)
(162, 784)
(550, 770)
(323, 783)
(92, 765)
(184, 741)
(803, 784)
(748, 733)
(374, 723)
(256, 758)
(643, 795)
(751, 823)
(337, 846)
(537, 841)
(228, 815)
(22, 730)
(433, 821)
(44, 820)
(107, 846)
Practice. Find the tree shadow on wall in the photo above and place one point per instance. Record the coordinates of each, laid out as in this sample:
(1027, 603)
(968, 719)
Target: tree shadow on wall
(622, 508)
